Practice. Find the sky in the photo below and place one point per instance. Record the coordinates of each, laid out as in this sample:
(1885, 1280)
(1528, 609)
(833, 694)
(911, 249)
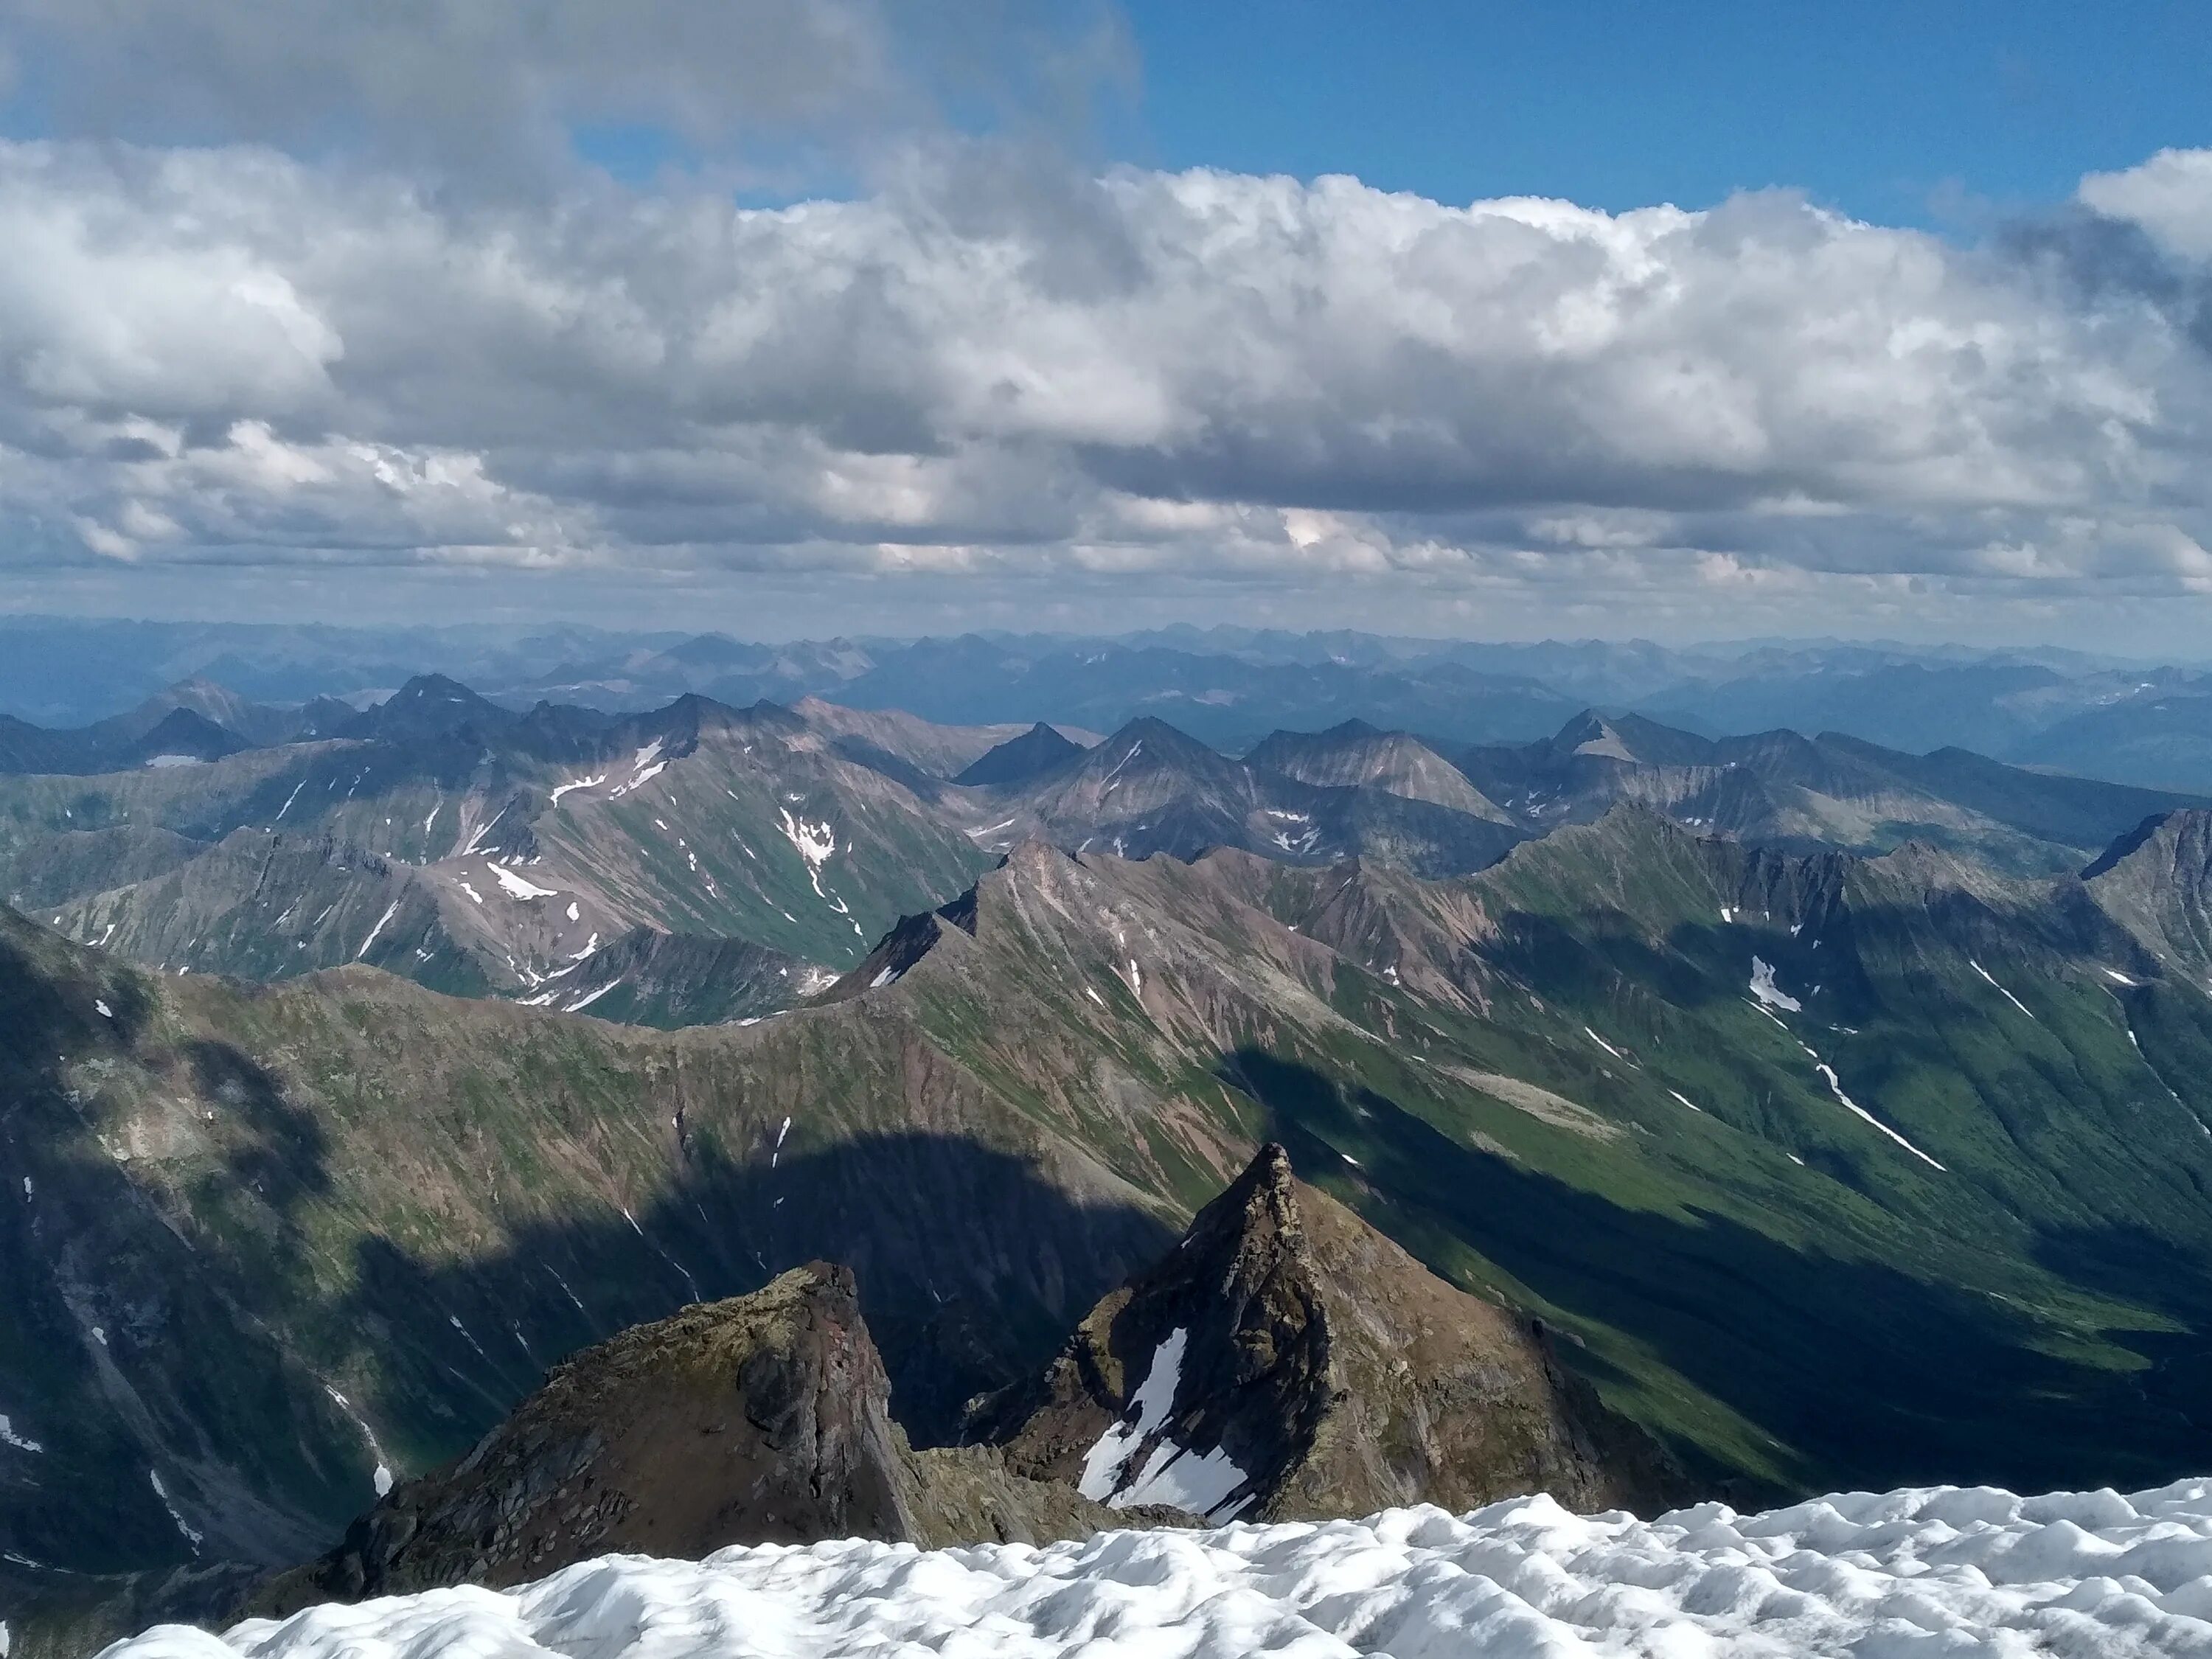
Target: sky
(803, 317)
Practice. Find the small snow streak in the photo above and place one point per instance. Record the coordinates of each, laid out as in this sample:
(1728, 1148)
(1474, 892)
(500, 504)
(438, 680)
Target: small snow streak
(391, 910)
(2000, 989)
(1828, 1073)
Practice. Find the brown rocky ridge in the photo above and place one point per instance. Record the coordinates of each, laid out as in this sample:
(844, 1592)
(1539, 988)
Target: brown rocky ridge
(1287, 1362)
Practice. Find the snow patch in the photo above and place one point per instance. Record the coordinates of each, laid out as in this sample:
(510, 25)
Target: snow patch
(1769, 993)
(519, 886)
(381, 1479)
(162, 1492)
(814, 841)
(2000, 989)
(1170, 1474)
(591, 997)
(1602, 1044)
(1828, 1072)
(392, 910)
(9, 1437)
(105, 1012)
(574, 784)
(1686, 1101)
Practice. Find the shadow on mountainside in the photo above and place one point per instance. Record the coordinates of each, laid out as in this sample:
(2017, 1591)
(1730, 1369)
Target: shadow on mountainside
(121, 1353)
(972, 1264)
(1871, 1376)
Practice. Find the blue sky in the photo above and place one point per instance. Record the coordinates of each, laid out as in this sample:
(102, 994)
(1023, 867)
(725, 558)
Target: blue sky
(820, 316)
(1891, 111)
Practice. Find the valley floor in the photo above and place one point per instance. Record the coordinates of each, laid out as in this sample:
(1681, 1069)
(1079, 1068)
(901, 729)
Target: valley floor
(1941, 1571)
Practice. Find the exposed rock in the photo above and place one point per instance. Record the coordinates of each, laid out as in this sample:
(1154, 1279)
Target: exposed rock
(760, 1419)
(1287, 1361)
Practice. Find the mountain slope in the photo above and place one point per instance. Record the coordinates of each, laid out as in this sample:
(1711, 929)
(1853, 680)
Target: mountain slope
(1356, 753)
(1825, 1172)
(1018, 758)
(1285, 1362)
(1150, 788)
(763, 1418)
(533, 838)
(1779, 789)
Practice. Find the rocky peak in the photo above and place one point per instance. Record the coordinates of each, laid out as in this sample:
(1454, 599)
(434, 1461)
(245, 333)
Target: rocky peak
(1285, 1360)
(1040, 749)
(762, 1419)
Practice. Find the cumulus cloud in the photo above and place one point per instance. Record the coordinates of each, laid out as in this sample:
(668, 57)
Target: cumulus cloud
(983, 368)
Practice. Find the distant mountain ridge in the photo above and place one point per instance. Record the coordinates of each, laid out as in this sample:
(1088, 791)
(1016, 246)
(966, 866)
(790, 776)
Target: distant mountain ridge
(1229, 686)
(484, 851)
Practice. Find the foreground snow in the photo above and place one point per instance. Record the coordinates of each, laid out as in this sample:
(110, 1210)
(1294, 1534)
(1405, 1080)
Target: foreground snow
(1941, 1571)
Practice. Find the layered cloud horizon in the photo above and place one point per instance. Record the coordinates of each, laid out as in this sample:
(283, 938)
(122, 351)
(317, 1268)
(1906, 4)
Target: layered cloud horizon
(988, 371)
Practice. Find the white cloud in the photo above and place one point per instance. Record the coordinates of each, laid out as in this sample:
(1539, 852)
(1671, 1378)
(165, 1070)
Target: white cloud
(230, 355)
(2169, 197)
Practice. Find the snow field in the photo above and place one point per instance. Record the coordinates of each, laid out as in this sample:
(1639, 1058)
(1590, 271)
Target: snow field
(1941, 1571)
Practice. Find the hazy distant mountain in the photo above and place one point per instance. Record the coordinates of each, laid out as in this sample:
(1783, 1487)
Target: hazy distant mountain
(1229, 686)
(1041, 749)
(481, 849)
(1780, 789)
(2160, 740)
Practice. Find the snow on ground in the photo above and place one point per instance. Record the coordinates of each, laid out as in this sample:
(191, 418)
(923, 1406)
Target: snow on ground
(1602, 1044)
(1828, 1074)
(591, 997)
(392, 910)
(518, 886)
(592, 783)
(1936, 1573)
(814, 842)
(1999, 989)
(1770, 994)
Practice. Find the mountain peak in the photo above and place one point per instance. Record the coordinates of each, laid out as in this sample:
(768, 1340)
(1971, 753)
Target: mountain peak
(1286, 1360)
(1590, 734)
(429, 706)
(1034, 752)
(760, 1419)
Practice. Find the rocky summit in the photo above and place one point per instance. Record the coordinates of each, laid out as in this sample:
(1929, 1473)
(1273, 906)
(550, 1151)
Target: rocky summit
(1285, 1361)
(762, 1419)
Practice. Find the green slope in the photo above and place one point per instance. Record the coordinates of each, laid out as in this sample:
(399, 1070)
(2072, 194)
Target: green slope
(1554, 1081)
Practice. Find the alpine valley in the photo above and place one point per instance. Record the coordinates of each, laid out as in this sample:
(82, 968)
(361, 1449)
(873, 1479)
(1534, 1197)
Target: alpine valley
(443, 1139)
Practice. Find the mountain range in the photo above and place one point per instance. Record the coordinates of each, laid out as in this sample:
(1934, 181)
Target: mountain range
(700, 862)
(1825, 1169)
(2103, 717)
(1824, 1116)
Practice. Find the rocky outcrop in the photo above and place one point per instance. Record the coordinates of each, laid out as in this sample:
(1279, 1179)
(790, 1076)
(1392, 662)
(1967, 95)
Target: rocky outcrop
(1287, 1361)
(763, 1418)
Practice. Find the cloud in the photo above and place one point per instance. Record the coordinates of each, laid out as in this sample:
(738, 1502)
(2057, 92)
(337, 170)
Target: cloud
(2168, 196)
(990, 367)
(473, 95)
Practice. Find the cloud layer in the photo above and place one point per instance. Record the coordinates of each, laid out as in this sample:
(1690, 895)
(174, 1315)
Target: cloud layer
(990, 367)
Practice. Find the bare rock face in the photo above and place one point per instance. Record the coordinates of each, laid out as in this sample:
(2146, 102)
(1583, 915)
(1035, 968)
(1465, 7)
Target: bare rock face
(1287, 1361)
(760, 1419)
